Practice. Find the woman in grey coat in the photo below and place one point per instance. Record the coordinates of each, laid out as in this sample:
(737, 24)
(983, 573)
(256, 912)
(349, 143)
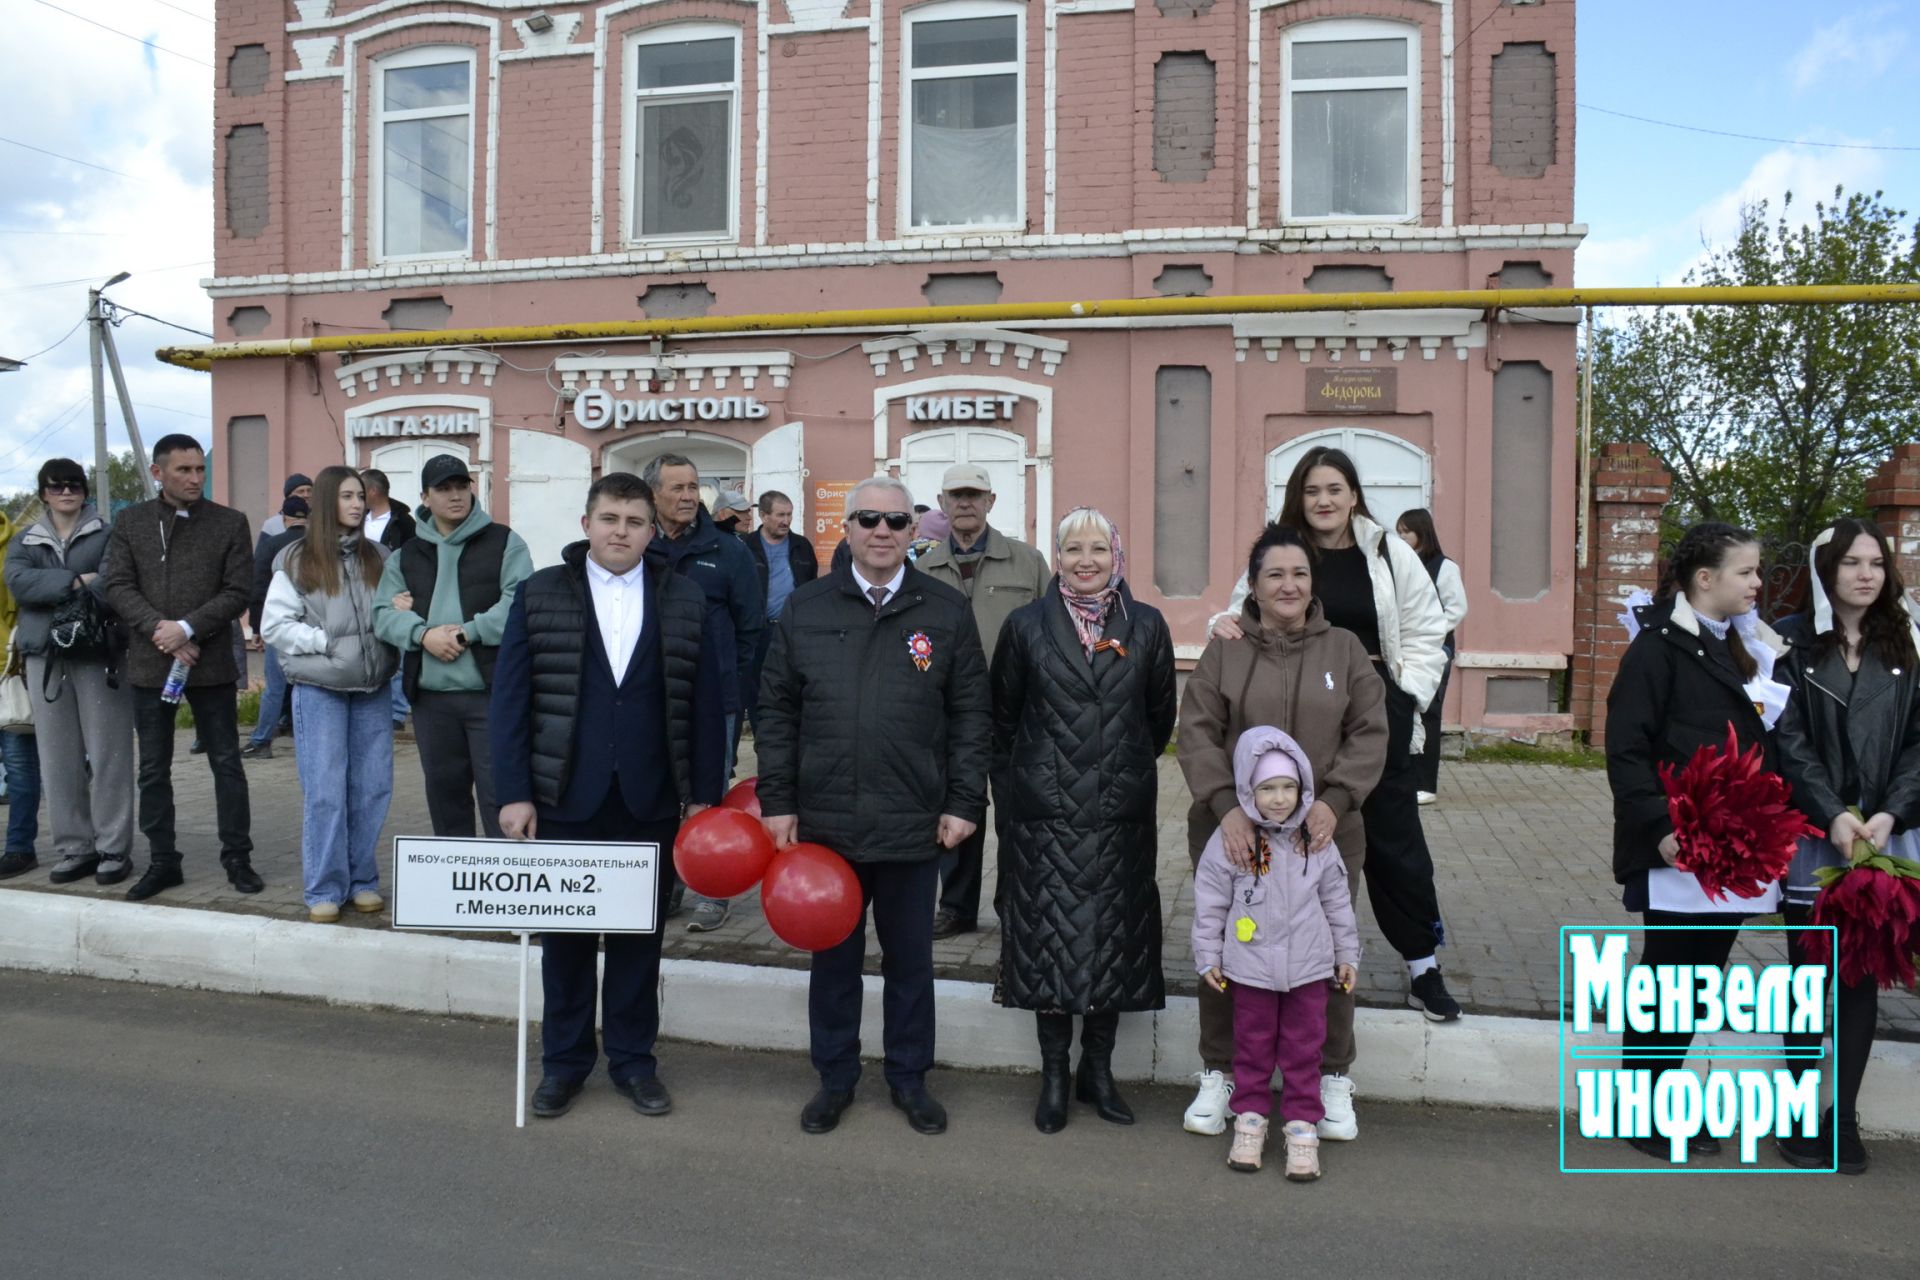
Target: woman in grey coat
(82, 711)
(319, 618)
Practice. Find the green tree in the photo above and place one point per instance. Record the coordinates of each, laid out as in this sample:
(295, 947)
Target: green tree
(1775, 417)
(122, 475)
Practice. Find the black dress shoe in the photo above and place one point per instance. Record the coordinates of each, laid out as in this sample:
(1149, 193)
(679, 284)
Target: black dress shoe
(947, 924)
(159, 876)
(648, 1095)
(822, 1114)
(554, 1096)
(1700, 1144)
(17, 864)
(198, 748)
(924, 1114)
(241, 875)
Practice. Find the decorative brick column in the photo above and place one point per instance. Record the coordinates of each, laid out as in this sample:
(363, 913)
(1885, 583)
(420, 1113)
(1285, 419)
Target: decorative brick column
(1893, 495)
(1631, 488)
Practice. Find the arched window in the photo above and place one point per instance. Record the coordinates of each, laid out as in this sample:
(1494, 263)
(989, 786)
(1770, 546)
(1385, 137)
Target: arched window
(1350, 121)
(423, 154)
(1396, 476)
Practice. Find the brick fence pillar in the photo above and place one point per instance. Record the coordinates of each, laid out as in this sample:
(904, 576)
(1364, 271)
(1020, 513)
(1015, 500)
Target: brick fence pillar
(1631, 488)
(1893, 495)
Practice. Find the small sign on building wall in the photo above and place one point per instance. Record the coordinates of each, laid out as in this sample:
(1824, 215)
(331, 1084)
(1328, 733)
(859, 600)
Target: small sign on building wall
(1353, 390)
(828, 514)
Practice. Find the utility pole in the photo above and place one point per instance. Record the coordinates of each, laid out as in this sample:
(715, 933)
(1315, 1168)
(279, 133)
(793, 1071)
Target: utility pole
(103, 355)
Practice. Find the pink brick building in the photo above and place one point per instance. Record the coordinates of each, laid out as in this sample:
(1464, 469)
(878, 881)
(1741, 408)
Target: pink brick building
(396, 164)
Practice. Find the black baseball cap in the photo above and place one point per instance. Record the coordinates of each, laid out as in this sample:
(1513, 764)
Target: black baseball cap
(442, 467)
(294, 506)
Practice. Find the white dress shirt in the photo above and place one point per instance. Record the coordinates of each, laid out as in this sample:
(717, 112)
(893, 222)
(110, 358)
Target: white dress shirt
(892, 588)
(619, 604)
(375, 526)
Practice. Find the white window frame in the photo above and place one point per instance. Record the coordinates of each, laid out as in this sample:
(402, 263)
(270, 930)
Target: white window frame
(1351, 29)
(948, 12)
(421, 56)
(630, 176)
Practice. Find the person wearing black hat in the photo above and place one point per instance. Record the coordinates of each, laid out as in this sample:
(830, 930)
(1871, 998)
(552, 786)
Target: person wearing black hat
(297, 486)
(273, 697)
(443, 603)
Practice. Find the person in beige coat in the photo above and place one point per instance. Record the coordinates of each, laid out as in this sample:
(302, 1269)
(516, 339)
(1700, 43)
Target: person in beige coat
(997, 574)
(1286, 667)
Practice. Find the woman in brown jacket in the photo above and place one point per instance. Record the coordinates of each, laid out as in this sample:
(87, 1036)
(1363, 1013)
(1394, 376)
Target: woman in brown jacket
(1291, 670)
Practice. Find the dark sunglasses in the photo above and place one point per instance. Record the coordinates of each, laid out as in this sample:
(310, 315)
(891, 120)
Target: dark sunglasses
(66, 486)
(896, 520)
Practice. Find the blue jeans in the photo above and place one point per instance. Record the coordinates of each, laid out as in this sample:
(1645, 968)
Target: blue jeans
(22, 754)
(401, 707)
(344, 745)
(273, 699)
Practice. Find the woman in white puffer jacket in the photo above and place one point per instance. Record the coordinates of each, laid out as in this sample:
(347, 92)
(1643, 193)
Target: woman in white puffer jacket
(1375, 586)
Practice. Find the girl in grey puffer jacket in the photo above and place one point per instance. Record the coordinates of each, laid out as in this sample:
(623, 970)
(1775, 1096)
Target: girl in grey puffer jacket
(1280, 933)
(319, 618)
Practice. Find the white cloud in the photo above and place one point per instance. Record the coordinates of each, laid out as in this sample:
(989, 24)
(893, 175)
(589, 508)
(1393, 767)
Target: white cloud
(1664, 254)
(74, 89)
(1859, 44)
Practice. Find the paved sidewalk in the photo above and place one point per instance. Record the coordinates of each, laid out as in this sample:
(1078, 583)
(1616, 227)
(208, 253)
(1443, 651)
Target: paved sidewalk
(1519, 850)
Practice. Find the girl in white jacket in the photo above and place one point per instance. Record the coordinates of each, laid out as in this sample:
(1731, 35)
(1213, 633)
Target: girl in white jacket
(1375, 586)
(1415, 528)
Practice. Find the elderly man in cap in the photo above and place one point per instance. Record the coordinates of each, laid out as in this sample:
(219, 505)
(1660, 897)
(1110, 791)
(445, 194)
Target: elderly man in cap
(873, 741)
(443, 603)
(297, 486)
(997, 574)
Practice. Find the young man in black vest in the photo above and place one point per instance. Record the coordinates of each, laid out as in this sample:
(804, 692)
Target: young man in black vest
(608, 724)
(443, 603)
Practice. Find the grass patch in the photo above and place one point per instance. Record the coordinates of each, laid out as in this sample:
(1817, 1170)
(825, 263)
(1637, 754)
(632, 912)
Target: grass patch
(247, 710)
(1521, 753)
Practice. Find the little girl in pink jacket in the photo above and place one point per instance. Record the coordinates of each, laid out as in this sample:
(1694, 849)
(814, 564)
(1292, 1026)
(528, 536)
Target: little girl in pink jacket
(1276, 936)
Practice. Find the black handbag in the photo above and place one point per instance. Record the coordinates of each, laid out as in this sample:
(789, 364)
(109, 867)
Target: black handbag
(84, 630)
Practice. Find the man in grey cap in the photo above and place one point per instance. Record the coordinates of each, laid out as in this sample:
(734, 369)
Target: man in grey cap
(998, 574)
(443, 603)
(732, 513)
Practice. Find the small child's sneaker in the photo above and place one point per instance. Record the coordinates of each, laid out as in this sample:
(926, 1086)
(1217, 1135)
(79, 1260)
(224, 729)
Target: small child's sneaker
(1303, 1151)
(1249, 1140)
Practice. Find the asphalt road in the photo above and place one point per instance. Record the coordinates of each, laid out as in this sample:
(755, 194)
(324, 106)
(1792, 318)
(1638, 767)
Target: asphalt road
(161, 1134)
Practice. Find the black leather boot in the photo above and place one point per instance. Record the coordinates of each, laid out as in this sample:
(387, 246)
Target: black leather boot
(1094, 1081)
(1056, 1070)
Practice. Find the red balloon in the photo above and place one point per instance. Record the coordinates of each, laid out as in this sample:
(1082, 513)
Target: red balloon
(745, 796)
(811, 897)
(721, 853)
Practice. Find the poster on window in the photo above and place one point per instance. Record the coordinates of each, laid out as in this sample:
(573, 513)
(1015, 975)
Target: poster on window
(829, 513)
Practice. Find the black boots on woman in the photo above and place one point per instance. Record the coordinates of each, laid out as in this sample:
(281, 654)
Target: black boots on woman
(1056, 1070)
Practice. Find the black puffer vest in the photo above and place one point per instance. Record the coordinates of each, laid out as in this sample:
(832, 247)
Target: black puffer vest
(558, 620)
(480, 560)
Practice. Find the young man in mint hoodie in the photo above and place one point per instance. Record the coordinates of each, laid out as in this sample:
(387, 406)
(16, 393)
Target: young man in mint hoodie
(443, 602)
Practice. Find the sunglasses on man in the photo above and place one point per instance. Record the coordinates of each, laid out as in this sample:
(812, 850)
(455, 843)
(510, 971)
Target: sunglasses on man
(66, 486)
(896, 520)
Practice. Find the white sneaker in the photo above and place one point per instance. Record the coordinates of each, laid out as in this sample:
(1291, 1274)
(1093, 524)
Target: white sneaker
(1336, 1095)
(1425, 797)
(1208, 1113)
(1249, 1141)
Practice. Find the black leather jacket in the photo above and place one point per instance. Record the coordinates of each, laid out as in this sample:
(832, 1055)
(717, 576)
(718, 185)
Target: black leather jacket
(1881, 706)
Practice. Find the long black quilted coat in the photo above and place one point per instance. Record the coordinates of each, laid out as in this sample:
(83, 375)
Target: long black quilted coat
(1075, 743)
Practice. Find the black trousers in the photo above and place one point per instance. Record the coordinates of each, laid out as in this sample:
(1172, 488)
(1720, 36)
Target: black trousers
(900, 895)
(961, 869)
(1858, 1019)
(629, 999)
(1690, 944)
(456, 759)
(214, 719)
(1399, 867)
(1428, 776)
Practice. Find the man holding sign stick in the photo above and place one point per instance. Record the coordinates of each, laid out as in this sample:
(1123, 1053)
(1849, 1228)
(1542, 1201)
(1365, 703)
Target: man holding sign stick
(607, 724)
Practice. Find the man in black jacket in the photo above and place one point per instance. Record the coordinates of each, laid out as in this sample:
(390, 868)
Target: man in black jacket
(178, 572)
(389, 524)
(878, 670)
(607, 725)
(273, 697)
(786, 563)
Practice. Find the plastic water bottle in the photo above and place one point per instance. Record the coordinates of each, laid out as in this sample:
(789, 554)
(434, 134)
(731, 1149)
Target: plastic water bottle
(176, 686)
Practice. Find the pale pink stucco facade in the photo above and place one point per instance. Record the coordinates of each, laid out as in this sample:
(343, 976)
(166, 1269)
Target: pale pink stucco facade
(1121, 186)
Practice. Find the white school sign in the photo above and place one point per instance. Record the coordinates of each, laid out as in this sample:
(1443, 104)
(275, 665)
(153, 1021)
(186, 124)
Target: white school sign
(512, 886)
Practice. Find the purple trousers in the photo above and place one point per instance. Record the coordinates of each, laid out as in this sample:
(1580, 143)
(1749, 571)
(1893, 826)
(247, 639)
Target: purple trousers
(1283, 1031)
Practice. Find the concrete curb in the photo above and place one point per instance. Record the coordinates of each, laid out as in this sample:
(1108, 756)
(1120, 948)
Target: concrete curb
(1483, 1061)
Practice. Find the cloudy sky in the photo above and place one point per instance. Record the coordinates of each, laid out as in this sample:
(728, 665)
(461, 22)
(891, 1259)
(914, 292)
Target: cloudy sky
(134, 104)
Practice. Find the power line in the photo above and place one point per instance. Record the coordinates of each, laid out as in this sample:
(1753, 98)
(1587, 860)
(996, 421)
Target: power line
(1748, 137)
(69, 159)
(190, 13)
(37, 231)
(63, 337)
(150, 271)
(198, 333)
(185, 57)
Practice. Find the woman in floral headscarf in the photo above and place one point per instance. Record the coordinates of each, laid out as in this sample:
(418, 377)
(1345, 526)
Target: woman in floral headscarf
(1083, 705)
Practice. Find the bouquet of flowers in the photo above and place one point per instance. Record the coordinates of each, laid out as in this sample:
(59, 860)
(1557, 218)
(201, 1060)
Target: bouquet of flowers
(1874, 903)
(1733, 820)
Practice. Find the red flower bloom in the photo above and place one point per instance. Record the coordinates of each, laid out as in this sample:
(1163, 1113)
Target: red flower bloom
(1875, 906)
(1734, 821)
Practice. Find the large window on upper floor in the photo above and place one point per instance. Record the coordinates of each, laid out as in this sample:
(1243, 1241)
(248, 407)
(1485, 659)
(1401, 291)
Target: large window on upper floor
(423, 154)
(683, 133)
(1350, 121)
(963, 117)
